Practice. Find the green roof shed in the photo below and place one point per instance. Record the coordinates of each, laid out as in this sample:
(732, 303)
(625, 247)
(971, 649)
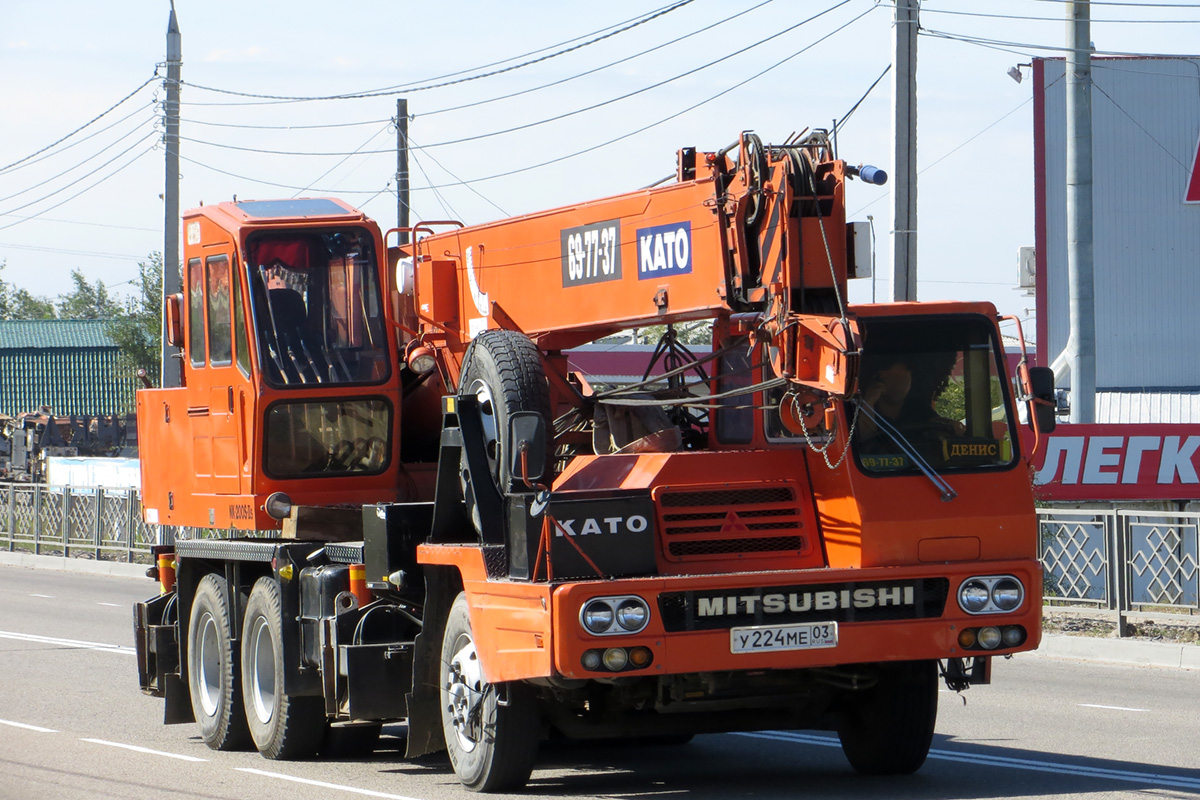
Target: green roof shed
(70, 365)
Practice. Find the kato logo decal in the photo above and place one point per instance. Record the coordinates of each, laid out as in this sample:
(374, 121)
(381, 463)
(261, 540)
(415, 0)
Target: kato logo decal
(664, 250)
(594, 525)
(591, 253)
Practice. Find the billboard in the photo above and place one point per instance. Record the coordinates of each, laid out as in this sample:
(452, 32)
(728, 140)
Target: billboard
(1118, 462)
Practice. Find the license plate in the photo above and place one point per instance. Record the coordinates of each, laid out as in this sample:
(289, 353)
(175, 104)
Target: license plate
(766, 638)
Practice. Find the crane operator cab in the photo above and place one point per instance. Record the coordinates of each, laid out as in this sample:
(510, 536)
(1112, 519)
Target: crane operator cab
(288, 382)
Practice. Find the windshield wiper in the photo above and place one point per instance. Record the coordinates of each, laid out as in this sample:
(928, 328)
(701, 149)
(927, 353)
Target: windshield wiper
(885, 425)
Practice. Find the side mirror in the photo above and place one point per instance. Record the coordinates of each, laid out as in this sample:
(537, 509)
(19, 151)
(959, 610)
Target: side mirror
(527, 435)
(1042, 404)
(174, 319)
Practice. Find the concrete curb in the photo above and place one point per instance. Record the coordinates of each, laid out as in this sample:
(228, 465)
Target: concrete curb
(1120, 651)
(85, 565)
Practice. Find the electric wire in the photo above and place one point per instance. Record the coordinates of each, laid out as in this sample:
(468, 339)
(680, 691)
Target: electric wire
(600, 68)
(557, 117)
(999, 43)
(666, 119)
(438, 83)
(85, 189)
(103, 113)
(1142, 128)
(348, 156)
(72, 168)
(837, 126)
(460, 182)
(265, 182)
(73, 183)
(1025, 18)
(447, 206)
(83, 139)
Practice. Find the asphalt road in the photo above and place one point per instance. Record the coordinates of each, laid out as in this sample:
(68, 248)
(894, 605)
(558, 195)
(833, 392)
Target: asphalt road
(74, 725)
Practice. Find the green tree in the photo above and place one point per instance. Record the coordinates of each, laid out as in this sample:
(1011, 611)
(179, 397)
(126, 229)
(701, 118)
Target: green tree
(21, 304)
(137, 328)
(87, 300)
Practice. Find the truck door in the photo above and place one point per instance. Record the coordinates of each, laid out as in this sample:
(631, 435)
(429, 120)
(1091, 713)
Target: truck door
(216, 398)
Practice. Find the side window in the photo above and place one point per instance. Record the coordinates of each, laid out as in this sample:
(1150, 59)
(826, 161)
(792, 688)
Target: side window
(241, 345)
(220, 332)
(735, 415)
(195, 312)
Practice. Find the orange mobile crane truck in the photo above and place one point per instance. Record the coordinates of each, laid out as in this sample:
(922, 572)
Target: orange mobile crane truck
(802, 527)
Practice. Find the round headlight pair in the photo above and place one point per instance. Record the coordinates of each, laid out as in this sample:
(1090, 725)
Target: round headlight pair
(993, 594)
(611, 615)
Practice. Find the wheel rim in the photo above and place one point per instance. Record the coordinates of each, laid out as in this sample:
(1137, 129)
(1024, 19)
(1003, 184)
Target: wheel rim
(262, 671)
(491, 427)
(208, 660)
(465, 687)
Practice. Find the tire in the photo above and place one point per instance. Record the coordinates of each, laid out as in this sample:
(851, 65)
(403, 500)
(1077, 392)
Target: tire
(213, 672)
(492, 747)
(283, 726)
(890, 728)
(503, 370)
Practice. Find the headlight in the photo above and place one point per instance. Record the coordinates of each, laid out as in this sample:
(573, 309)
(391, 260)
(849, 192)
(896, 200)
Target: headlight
(991, 594)
(973, 596)
(597, 616)
(632, 614)
(606, 616)
(1007, 594)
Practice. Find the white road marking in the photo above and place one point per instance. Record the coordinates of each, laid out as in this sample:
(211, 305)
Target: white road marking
(31, 637)
(323, 785)
(46, 596)
(1111, 708)
(111, 605)
(146, 750)
(26, 727)
(976, 759)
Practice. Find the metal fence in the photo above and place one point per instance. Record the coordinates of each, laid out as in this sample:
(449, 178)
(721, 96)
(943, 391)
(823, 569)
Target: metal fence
(1121, 560)
(1103, 559)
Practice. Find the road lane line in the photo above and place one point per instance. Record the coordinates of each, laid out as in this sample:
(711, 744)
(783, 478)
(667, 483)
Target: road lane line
(323, 785)
(27, 727)
(111, 605)
(1111, 708)
(977, 759)
(146, 750)
(43, 596)
(76, 643)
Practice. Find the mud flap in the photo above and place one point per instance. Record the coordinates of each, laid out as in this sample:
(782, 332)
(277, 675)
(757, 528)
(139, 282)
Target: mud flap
(425, 733)
(178, 706)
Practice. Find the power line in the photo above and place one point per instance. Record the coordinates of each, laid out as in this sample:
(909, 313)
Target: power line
(609, 65)
(81, 127)
(96, 253)
(460, 182)
(264, 182)
(547, 120)
(1026, 18)
(1141, 127)
(326, 125)
(439, 83)
(690, 108)
(372, 138)
(838, 125)
(85, 189)
(980, 40)
(74, 167)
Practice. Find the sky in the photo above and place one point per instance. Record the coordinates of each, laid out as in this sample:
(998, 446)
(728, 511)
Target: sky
(516, 107)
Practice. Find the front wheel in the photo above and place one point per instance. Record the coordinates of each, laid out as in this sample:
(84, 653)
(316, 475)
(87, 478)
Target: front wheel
(491, 730)
(889, 729)
(283, 726)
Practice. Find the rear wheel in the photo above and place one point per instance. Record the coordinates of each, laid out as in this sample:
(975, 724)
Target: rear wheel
(890, 728)
(213, 673)
(283, 726)
(491, 731)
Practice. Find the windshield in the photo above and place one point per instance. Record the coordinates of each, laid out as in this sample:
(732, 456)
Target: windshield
(938, 383)
(317, 307)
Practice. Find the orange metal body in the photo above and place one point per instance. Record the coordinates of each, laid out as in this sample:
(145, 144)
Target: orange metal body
(202, 443)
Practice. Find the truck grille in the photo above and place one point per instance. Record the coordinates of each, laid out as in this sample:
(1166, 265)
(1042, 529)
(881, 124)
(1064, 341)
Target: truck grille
(741, 521)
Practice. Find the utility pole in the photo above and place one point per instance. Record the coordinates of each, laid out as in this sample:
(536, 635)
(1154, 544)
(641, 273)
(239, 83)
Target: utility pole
(402, 168)
(904, 151)
(172, 284)
(1081, 343)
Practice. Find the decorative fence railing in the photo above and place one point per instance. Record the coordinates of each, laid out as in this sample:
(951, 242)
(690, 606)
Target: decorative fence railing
(1103, 559)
